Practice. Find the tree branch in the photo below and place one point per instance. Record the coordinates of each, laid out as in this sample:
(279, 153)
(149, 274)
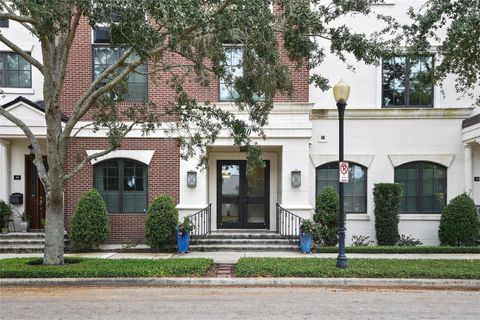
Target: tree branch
(14, 17)
(80, 165)
(67, 45)
(80, 109)
(42, 172)
(22, 53)
(91, 95)
(10, 10)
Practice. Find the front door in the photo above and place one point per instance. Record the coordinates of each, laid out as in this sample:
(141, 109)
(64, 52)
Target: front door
(242, 196)
(35, 194)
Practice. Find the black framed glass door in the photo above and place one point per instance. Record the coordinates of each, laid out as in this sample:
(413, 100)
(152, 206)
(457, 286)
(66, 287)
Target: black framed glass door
(242, 196)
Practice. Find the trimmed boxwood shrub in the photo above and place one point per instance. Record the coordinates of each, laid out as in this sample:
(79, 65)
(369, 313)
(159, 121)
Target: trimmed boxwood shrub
(326, 215)
(387, 209)
(90, 225)
(458, 224)
(161, 222)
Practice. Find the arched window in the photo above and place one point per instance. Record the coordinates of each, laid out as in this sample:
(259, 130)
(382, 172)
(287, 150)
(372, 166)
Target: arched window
(424, 187)
(122, 184)
(355, 190)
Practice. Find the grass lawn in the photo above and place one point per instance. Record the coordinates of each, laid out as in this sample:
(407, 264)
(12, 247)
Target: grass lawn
(101, 268)
(399, 249)
(358, 268)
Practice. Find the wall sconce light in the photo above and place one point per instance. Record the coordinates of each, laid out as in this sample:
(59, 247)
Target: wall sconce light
(191, 179)
(296, 178)
(30, 150)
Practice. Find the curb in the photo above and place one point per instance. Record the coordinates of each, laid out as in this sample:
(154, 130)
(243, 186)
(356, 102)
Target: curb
(247, 282)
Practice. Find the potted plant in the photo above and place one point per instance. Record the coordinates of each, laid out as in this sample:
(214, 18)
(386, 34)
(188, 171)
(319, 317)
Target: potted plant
(183, 235)
(24, 225)
(5, 212)
(307, 229)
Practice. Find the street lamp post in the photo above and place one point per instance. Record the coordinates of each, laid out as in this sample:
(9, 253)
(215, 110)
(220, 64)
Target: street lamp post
(341, 91)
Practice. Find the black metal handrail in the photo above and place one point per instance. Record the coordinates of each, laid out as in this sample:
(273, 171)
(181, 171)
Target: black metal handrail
(288, 223)
(201, 222)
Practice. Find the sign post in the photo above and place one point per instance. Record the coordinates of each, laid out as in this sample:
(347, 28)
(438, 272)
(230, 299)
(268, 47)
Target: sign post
(343, 171)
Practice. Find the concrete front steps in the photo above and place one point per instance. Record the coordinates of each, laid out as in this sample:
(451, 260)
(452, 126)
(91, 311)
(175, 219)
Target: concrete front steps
(23, 242)
(244, 240)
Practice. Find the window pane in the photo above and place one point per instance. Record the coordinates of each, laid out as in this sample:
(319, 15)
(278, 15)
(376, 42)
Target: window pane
(23, 64)
(354, 191)
(393, 80)
(12, 78)
(134, 201)
(234, 69)
(420, 77)
(25, 79)
(112, 200)
(12, 61)
(131, 183)
(137, 81)
(423, 185)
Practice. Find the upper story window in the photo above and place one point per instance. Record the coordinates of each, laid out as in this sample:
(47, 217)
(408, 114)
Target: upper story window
(355, 190)
(4, 23)
(234, 56)
(407, 82)
(105, 55)
(122, 184)
(424, 187)
(15, 72)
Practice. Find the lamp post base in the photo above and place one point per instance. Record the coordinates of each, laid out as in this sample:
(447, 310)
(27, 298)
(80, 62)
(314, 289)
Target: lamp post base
(342, 262)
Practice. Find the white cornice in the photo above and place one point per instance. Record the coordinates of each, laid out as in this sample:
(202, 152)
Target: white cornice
(397, 113)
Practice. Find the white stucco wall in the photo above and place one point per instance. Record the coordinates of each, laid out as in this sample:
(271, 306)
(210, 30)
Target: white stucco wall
(365, 80)
(476, 173)
(287, 148)
(381, 140)
(17, 149)
(27, 42)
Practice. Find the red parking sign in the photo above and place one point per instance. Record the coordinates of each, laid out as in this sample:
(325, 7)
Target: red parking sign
(343, 170)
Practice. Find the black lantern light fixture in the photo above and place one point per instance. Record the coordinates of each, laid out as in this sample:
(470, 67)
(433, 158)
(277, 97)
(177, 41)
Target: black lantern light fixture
(191, 179)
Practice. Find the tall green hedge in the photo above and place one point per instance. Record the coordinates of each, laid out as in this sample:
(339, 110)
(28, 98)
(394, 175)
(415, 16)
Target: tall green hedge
(161, 222)
(90, 225)
(326, 215)
(459, 224)
(387, 209)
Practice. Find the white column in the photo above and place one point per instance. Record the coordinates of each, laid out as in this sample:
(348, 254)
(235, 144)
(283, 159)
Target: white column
(4, 171)
(468, 169)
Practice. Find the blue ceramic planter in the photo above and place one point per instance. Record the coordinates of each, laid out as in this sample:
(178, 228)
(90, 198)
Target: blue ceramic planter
(305, 242)
(183, 240)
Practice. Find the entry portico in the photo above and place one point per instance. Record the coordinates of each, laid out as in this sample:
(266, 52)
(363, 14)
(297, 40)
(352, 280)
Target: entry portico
(247, 200)
(17, 172)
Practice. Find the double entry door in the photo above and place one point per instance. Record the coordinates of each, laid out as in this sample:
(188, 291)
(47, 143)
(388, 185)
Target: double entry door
(242, 195)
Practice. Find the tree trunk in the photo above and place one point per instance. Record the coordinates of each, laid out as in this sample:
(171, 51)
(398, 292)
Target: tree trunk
(54, 226)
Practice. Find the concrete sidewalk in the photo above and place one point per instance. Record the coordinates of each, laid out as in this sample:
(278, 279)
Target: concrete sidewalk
(233, 256)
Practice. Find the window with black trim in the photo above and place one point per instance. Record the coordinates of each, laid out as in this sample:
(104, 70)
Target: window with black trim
(15, 71)
(4, 23)
(424, 186)
(122, 184)
(355, 190)
(407, 81)
(104, 55)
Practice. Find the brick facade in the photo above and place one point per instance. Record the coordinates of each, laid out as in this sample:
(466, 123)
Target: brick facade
(163, 178)
(163, 172)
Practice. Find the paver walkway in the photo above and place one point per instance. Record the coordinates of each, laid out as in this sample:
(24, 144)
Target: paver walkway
(233, 256)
